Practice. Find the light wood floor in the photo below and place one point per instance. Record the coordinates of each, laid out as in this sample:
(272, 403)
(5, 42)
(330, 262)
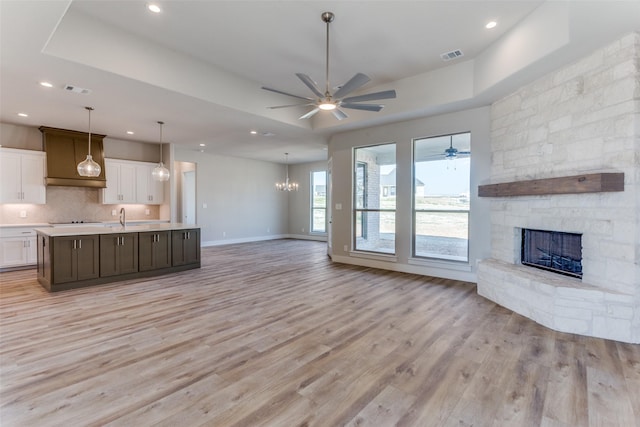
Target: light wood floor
(273, 334)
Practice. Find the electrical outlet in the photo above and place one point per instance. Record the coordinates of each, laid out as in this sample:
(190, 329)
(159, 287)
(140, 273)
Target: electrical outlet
(23, 214)
(346, 248)
(114, 212)
(224, 234)
(303, 229)
(147, 212)
(204, 206)
(268, 230)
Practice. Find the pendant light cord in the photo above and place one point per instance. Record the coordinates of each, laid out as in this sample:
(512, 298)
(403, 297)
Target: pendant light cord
(161, 123)
(89, 109)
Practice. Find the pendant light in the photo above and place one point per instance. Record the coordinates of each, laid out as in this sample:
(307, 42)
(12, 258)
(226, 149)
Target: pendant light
(88, 167)
(160, 173)
(286, 185)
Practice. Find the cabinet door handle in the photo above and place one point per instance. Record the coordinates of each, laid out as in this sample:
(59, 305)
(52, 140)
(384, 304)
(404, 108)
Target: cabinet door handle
(188, 235)
(75, 244)
(79, 243)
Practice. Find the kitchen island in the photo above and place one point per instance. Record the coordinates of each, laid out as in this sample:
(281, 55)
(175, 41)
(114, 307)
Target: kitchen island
(85, 256)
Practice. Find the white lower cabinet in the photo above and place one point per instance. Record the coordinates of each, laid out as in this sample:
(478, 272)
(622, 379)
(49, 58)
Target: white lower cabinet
(18, 247)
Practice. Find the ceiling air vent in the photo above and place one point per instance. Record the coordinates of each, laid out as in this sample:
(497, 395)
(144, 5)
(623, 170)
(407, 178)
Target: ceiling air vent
(448, 56)
(76, 89)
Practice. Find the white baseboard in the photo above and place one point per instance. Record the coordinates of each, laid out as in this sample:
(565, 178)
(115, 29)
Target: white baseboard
(307, 237)
(262, 238)
(406, 268)
(243, 240)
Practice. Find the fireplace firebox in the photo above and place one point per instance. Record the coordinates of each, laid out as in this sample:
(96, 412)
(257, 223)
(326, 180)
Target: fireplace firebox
(555, 251)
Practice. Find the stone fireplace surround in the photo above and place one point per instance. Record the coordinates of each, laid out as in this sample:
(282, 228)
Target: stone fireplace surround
(583, 118)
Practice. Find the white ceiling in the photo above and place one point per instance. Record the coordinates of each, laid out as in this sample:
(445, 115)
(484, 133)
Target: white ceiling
(199, 65)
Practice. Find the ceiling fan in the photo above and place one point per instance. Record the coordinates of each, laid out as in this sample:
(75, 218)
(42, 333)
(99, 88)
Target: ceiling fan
(333, 102)
(452, 152)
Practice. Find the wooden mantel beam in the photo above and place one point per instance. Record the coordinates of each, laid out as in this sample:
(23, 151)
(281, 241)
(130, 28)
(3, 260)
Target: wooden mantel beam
(588, 183)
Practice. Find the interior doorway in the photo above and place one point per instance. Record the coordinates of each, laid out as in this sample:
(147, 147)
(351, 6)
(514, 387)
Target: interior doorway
(189, 197)
(186, 186)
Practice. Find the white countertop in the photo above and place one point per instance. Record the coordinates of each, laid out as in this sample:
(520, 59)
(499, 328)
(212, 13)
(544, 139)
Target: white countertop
(32, 225)
(89, 223)
(87, 230)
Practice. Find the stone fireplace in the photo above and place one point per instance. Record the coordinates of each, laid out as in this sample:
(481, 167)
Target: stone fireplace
(581, 119)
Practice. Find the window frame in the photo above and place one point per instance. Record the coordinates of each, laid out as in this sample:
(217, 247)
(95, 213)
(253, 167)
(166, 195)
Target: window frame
(312, 207)
(365, 211)
(415, 211)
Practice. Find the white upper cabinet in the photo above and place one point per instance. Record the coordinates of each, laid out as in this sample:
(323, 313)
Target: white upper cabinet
(22, 174)
(149, 191)
(121, 182)
(130, 182)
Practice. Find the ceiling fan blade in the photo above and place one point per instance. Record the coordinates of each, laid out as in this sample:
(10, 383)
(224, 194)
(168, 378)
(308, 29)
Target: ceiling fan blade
(356, 82)
(385, 94)
(285, 93)
(308, 81)
(366, 107)
(310, 113)
(338, 114)
(275, 107)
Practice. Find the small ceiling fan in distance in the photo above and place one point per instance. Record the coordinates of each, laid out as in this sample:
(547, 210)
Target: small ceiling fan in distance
(334, 102)
(452, 152)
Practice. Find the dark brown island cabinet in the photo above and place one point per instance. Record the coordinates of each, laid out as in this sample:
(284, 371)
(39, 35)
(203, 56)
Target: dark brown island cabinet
(118, 254)
(75, 258)
(104, 255)
(155, 250)
(186, 246)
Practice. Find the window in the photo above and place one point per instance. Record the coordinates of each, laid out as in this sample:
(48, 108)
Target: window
(441, 197)
(319, 202)
(375, 199)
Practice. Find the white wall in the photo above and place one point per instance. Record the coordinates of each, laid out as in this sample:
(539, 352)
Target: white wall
(241, 201)
(477, 121)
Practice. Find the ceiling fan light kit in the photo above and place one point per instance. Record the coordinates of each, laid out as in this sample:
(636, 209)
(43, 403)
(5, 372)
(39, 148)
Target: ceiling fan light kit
(325, 101)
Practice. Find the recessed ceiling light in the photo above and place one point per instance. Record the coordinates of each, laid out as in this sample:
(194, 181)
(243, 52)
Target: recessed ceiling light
(254, 132)
(154, 8)
(23, 114)
(203, 145)
(129, 132)
(491, 25)
(46, 84)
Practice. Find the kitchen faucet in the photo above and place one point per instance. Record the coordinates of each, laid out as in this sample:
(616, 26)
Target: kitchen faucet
(123, 217)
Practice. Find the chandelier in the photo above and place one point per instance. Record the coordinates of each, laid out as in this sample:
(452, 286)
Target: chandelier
(287, 185)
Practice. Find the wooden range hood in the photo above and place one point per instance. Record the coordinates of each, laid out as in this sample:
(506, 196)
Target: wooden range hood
(65, 149)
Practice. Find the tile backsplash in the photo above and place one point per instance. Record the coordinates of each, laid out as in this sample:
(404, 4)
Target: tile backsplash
(65, 204)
